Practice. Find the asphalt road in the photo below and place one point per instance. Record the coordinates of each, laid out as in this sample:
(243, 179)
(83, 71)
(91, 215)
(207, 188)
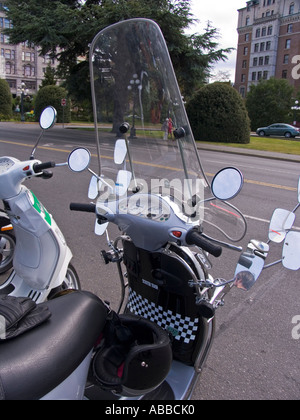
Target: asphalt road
(254, 355)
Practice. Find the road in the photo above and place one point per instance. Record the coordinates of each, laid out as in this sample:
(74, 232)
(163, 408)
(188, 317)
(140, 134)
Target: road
(254, 354)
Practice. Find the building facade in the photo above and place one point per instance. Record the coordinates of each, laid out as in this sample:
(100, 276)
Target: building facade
(21, 65)
(268, 43)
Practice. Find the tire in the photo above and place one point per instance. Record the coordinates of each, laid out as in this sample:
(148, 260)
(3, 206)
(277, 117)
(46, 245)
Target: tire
(7, 250)
(70, 283)
(287, 135)
(262, 133)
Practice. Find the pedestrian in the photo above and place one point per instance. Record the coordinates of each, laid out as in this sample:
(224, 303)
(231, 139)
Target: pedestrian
(170, 128)
(165, 128)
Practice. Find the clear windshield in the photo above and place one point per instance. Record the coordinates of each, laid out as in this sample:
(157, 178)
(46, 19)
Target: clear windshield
(133, 82)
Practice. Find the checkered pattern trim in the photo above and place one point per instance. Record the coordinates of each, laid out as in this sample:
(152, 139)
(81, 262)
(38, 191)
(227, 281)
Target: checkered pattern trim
(181, 328)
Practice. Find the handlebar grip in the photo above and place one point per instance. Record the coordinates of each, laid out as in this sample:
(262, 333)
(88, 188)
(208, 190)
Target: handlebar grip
(193, 237)
(39, 167)
(88, 208)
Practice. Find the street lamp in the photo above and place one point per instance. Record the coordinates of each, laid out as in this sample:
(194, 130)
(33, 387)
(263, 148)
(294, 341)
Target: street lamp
(23, 91)
(295, 108)
(135, 86)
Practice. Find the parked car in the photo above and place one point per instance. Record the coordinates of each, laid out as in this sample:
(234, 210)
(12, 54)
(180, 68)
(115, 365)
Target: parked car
(285, 130)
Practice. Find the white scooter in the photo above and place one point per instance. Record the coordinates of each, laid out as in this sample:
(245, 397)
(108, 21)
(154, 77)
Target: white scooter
(42, 258)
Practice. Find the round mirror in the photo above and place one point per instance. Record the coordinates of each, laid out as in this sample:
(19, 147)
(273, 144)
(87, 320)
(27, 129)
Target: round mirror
(48, 118)
(227, 183)
(79, 159)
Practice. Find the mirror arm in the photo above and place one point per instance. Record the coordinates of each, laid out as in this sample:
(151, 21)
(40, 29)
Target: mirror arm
(296, 208)
(272, 264)
(100, 179)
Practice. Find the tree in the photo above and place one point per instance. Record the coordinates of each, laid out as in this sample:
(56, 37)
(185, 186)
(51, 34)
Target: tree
(71, 25)
(217, 113)
(52, 95)
(5, 100)
(269, 102)
(49, 78)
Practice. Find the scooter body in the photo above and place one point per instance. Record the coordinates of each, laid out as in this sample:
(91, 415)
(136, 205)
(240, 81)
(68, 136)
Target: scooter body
(41, 256)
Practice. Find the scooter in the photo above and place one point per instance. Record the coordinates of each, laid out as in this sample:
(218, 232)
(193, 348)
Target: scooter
(171, 219)
(41, 257)
(7, 243)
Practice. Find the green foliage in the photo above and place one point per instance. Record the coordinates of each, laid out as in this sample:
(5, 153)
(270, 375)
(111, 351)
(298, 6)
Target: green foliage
(49, 78)
(217, 113)
(52, 95)
(5, 100)
(71, 25)
(269, 102)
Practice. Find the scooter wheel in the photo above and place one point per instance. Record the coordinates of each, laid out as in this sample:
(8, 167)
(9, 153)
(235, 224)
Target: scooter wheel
(7, 249)
(71, 282)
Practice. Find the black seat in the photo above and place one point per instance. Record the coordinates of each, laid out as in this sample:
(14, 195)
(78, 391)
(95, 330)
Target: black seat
(36, 362)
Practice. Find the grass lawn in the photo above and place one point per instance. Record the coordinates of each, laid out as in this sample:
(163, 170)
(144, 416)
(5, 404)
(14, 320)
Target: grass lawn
(268, 144)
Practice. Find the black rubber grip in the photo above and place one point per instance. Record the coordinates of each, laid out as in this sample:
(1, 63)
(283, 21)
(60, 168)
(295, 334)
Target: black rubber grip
(39, 167)
(193, 237)
(88, 208)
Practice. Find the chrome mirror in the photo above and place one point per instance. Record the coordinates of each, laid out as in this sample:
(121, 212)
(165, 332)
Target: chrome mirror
(281, 222)
(250, 265)
(79, 159)
(227, 183)
(120, 151)
(123, 182)
(291, 251)
(48, 118)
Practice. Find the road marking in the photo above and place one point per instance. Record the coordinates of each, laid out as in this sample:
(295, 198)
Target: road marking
(247, 181)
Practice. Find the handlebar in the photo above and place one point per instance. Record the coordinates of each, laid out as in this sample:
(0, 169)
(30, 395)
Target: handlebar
(193, 237)
(40, 167)
(88, 208)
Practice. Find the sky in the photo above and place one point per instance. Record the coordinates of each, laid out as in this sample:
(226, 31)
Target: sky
(223, 16)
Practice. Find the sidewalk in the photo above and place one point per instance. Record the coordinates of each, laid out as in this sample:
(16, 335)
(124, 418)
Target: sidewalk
(249, 152)
(225, 149)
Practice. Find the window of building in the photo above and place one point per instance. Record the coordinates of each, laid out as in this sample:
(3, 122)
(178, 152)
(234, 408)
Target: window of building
(268, 46)
(259, 75)
(256, 47)
(243, 78)
(242, 91)
(262, 46)
(289, 28)
(288, 44)
(270, 30)
(247, 21)
(244, 64)
(264, 31)
(247, 37)
(284, 74)
(286, 59)
(267, 60)
(261, 61)
(265, 75)
(253, 78)
(292, 9)
(255, 59)
(246, 51)
(28, 70)
(257, 33)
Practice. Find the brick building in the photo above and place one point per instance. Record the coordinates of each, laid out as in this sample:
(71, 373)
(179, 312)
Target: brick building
(21, 65)
(268, 43)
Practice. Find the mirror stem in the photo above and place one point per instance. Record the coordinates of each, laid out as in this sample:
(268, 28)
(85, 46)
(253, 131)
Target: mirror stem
(101, 179)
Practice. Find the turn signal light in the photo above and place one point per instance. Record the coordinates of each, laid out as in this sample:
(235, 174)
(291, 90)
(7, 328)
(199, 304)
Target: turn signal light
(177, 233)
